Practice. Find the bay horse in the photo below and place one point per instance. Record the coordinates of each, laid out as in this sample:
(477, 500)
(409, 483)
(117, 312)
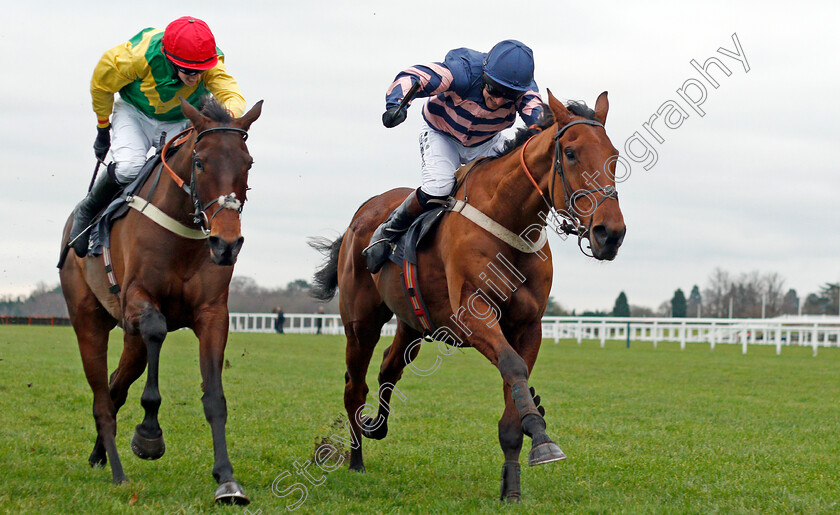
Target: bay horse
(166, 281)
(569, 169)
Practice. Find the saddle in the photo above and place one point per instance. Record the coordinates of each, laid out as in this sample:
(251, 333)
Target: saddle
(404, 254)
(406, 247)
(100, 233)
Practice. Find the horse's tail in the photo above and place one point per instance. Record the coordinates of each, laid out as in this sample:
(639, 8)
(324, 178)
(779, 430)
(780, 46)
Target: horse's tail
(326, 277)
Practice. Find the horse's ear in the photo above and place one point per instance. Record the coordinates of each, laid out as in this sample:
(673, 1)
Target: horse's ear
(561, 114)
(191, 112)
(248, 118)
(602, 105)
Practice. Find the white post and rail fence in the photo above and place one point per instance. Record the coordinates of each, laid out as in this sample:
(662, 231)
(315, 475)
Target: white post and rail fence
(809, 331)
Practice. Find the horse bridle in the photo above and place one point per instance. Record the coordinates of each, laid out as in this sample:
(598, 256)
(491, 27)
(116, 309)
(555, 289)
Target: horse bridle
(571, 215)
(228, 201)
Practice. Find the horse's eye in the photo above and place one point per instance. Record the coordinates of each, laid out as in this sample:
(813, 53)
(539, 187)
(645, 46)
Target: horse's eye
(199, 165)
(570, 154)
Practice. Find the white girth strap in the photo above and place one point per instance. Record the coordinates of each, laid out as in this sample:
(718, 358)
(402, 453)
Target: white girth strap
(497, 230)
(162, 219)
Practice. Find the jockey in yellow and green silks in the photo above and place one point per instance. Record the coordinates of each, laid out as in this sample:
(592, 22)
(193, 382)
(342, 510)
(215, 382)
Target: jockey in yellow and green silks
(150, 72)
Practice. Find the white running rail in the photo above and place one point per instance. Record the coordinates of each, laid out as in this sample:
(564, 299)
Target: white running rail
(814, 332)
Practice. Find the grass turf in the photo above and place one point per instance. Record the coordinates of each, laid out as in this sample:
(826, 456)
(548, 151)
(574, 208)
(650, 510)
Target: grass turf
(645, 430)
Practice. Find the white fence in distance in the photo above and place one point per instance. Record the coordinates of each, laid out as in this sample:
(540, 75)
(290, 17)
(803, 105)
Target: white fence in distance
(814, 332)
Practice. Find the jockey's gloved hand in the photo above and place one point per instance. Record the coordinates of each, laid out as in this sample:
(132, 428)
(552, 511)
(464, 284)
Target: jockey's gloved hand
(102, 143)
(393, 117)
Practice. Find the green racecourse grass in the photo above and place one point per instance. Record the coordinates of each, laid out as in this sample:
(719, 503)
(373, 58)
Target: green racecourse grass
(650, 431)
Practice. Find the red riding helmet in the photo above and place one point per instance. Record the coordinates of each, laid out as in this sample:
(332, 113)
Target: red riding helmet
(188, 43)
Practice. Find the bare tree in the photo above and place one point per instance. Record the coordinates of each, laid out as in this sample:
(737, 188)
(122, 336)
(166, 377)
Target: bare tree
(717, 293)
(747, 294)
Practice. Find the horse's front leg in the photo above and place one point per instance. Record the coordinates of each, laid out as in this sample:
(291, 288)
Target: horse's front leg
(211, 329)
(143, 316)
(528, 340)
(478, 317)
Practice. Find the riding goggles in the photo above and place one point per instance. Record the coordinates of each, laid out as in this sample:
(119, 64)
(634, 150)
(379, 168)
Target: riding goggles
(186, 71)
(494, 89)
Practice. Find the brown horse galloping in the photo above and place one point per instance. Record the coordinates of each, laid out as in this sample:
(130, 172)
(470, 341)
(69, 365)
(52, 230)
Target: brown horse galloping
(168, 281)
(569, 169)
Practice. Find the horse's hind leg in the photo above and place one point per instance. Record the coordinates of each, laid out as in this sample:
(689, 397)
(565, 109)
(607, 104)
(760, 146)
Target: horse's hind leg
(399, 354)
(144, 318)
(131, 366)
(362, 336)
(92, 324)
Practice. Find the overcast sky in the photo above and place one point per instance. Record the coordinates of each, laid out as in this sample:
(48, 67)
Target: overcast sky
(751, 185)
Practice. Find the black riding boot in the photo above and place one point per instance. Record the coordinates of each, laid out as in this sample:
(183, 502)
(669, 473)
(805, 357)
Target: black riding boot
(103, 191)
(376, 254)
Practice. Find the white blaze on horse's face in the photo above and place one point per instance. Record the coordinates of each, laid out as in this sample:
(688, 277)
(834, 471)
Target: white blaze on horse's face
(220, 169)
(224, 179)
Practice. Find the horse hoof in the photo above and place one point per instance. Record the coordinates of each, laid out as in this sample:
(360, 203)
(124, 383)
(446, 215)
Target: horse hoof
(510, 492)
(360, 469)
(97, 460)
(373, 431)
(231, 492)
(545, 453)
(120, 480)
(147, 448)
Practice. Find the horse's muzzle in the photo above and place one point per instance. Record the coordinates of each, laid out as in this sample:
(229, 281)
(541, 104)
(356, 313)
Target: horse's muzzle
(224, 253)
(606, 241)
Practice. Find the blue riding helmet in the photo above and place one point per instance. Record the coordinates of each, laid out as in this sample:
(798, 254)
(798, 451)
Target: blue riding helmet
(510, 64)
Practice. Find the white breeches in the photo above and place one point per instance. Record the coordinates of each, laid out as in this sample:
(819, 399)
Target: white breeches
(132, 135)
(441, 155)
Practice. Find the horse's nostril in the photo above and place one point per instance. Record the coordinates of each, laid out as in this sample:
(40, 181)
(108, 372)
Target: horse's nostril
(599, 234)
(621, 234)
(605, 237)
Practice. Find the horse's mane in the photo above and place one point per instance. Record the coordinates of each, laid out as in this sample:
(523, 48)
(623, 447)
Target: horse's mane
(577, 108)
(212, 109)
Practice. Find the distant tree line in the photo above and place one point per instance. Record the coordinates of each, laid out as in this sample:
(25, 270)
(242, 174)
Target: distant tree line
(43, 301)
(748, 295)
(744, 294)
(245, 296)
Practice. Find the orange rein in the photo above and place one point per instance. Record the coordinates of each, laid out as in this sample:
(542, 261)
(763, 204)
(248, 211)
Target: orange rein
(178, 139)
(525, 166)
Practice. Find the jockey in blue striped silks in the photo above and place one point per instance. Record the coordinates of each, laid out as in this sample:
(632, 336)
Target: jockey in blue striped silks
(473, 96)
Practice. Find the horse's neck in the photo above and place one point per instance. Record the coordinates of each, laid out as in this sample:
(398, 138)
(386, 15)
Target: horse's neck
(506, 194)
(171, 198)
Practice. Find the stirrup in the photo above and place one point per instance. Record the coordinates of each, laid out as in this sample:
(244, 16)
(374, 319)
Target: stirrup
(374, 243)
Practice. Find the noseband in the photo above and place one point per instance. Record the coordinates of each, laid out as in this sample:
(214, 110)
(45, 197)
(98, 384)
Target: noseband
(228, 201)
(571, 215)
